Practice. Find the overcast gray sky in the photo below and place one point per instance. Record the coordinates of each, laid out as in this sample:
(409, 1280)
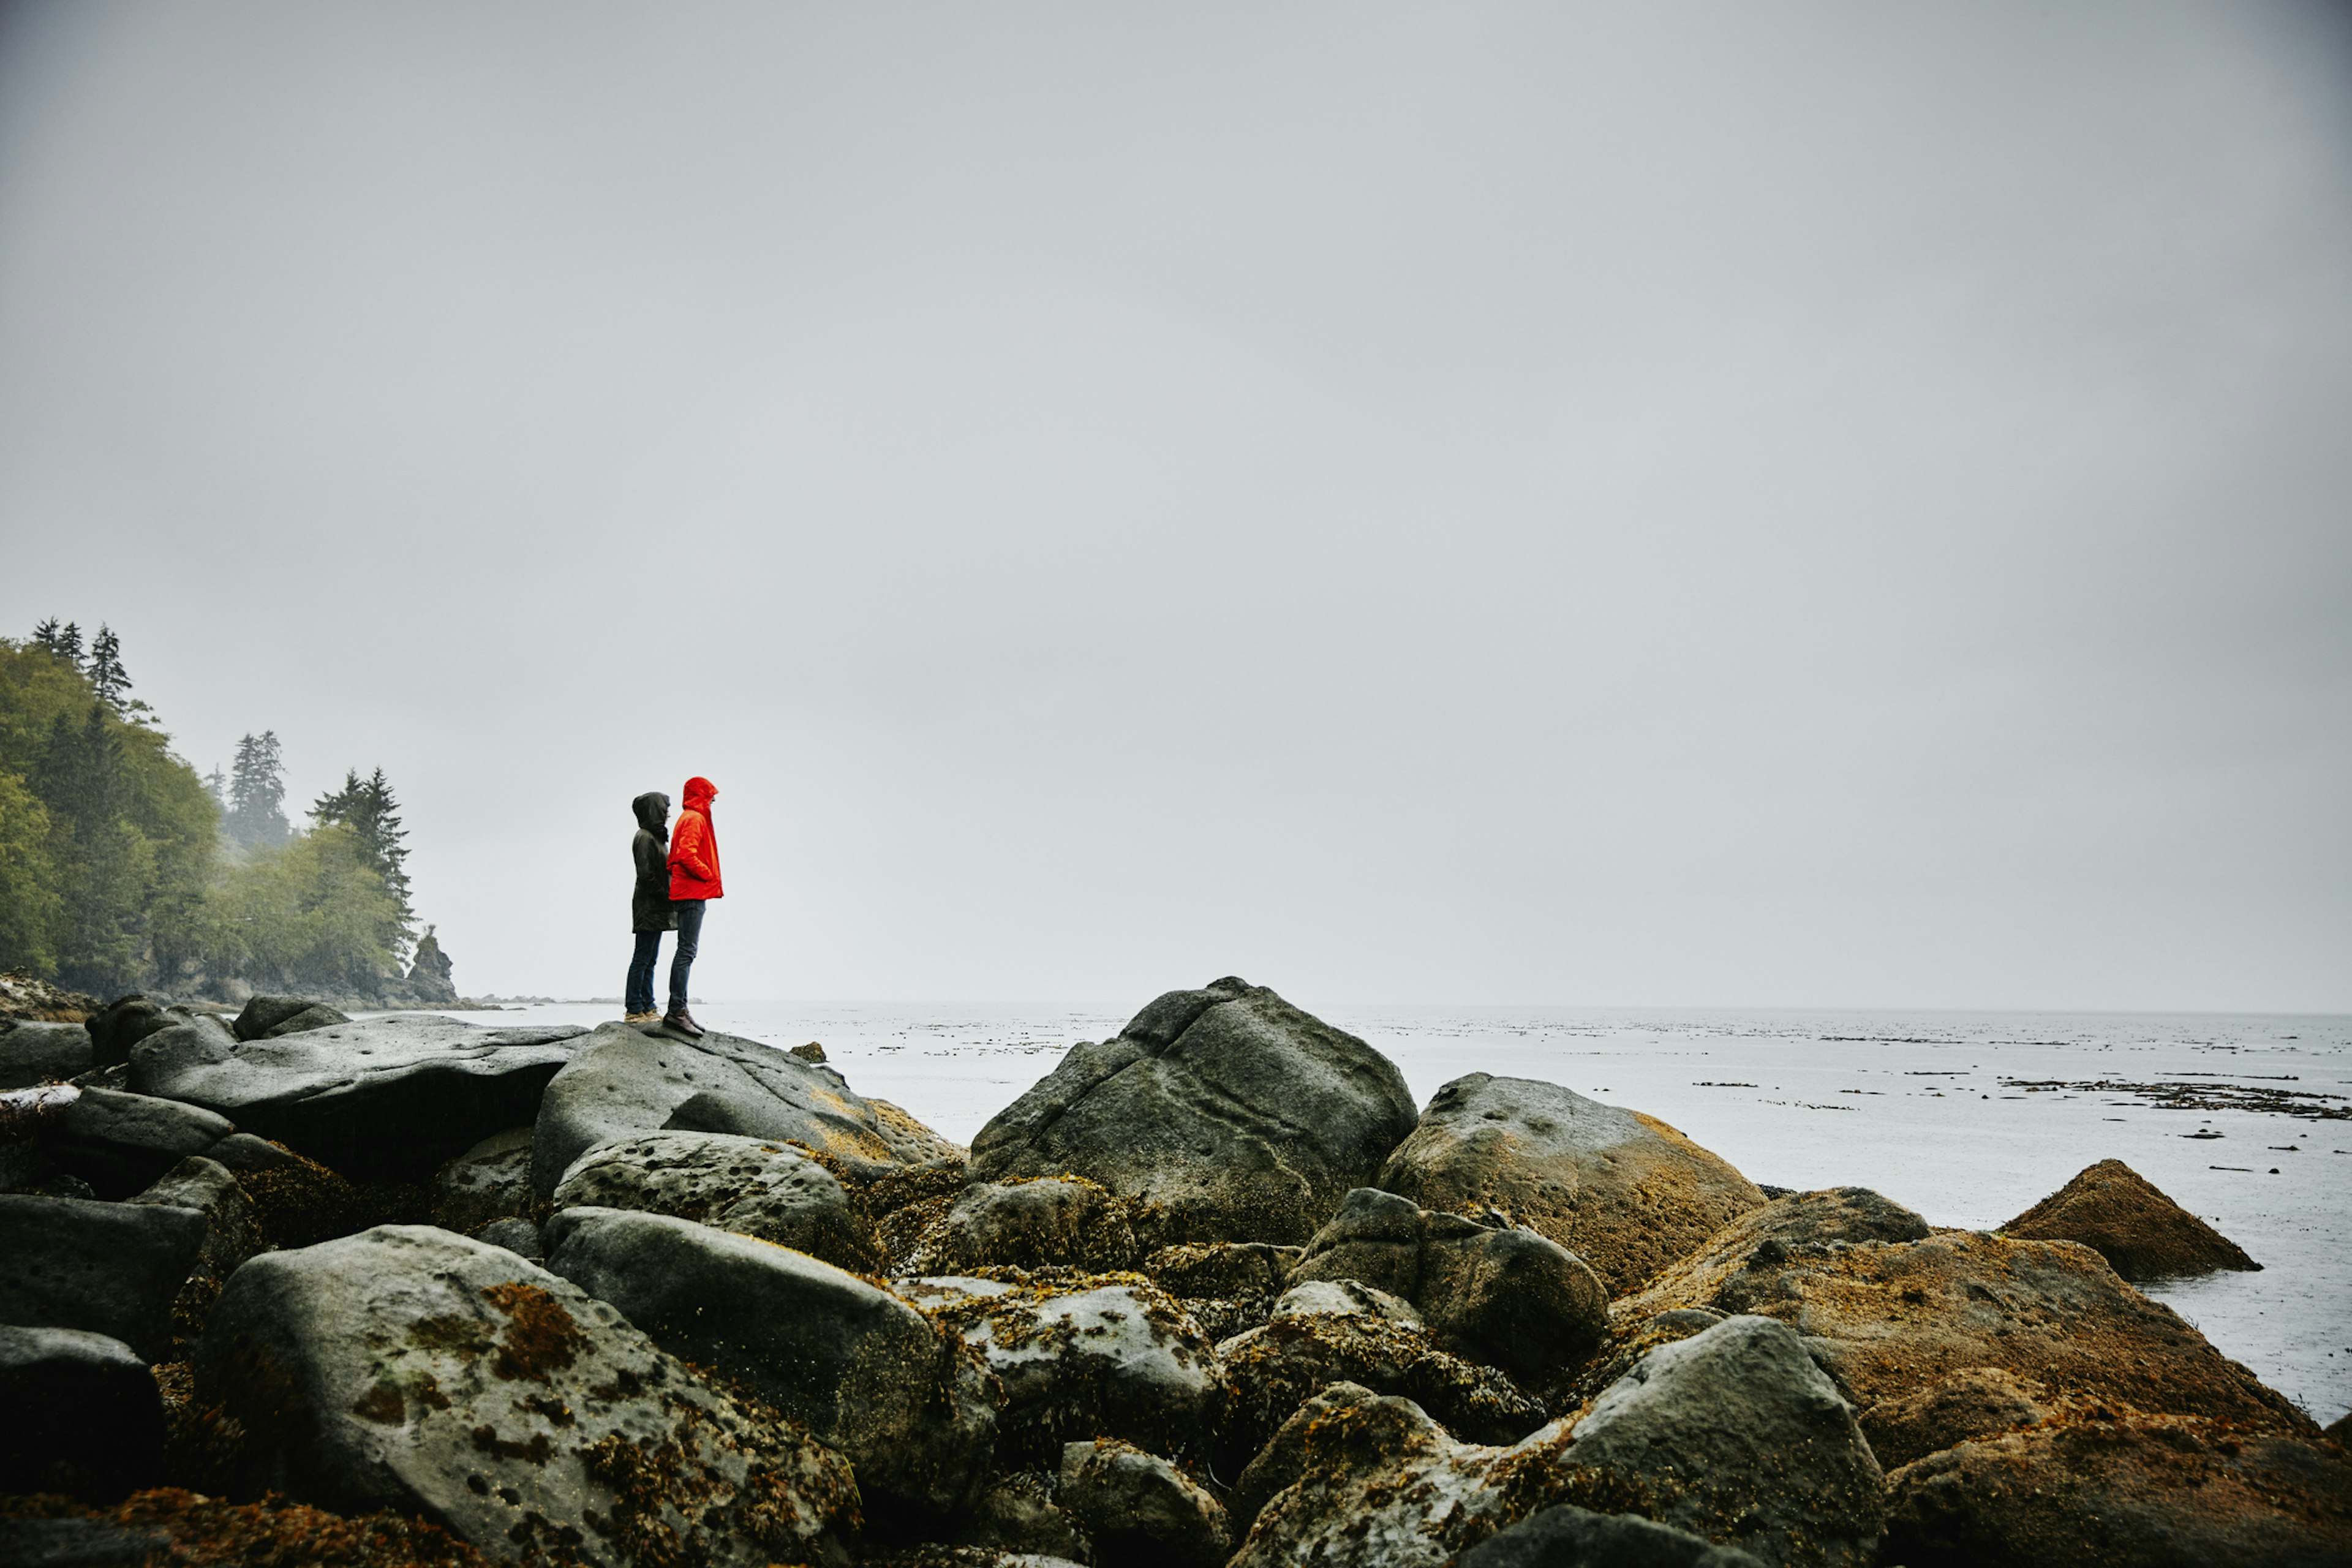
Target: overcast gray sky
(1722, 505)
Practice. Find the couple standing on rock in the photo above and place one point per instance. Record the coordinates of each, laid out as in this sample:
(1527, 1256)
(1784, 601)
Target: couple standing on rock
(678, 876)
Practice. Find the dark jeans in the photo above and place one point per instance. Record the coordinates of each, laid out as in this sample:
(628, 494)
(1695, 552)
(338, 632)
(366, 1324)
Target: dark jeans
(689, 939)
(640, 995)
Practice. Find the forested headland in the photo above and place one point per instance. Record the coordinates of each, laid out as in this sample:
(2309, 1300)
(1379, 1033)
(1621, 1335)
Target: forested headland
(121, 868)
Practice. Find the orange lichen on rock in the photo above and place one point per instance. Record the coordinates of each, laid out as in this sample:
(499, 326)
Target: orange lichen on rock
(2143, 1235)
(539, 1336)
(1626, 1191)
(1890, 1319)
(2104, 1483)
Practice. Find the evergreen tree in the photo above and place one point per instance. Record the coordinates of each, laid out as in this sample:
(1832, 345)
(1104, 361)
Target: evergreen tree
(366, 806)
(216, 786)
(107, 676)
(257, 793)
(64, 641)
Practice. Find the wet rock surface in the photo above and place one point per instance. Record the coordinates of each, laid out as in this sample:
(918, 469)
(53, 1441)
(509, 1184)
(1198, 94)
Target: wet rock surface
(1493, 1292)
(1624, 1191)
(622, 1080)
(108, 1268)
(409, 1368)
(2110, 1486)
(385, 1099)
(866, 1373)
(1226, 1114)
(752, 1187)
(1082, 1356)
(83, 1415)
(2115, 1211)
(1138, 1509)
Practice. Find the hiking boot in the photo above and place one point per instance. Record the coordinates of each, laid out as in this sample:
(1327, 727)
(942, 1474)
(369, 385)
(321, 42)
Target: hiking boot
(647, 1016)
(678, 1021)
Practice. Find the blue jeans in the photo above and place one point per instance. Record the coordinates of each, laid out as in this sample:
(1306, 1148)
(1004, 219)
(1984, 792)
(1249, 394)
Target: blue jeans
(689, 939)
(640, 995)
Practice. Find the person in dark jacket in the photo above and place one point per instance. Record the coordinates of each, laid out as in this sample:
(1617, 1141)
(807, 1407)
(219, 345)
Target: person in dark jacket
(693, 883)
(650, 910)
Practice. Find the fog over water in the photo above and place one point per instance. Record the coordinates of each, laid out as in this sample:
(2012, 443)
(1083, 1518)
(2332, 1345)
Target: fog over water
(1818, 505)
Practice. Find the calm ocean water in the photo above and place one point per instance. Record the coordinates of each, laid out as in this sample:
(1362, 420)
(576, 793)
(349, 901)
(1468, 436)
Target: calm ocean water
(1967, 1117)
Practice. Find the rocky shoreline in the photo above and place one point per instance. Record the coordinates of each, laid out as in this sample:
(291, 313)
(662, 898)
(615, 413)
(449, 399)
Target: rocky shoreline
(286, 1287)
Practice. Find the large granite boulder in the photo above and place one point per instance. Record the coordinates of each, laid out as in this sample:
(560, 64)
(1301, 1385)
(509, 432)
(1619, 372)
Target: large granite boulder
(232, 1232)
(1733, 1435)
(1328, 1332)
(489, 1183)
(1356, 1479)
(1890, 1318)
(1082, 1356)
(869, 1374)
(752, 1187)
(268, 1018)
(383, 1098)
(621, 1080)
(42, 1053)
(83, 1414)
(1624, 1191)
(1226, 1114)
(1140, 1509)
(108, 1268)
(122, 1143)
(1497, 1293)
(1049, 1222)
(123, 1022)
(409, 1368)
(2106, 1485)
(2115, 1211)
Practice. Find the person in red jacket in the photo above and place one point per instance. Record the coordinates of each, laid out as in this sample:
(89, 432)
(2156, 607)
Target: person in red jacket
(693, 883)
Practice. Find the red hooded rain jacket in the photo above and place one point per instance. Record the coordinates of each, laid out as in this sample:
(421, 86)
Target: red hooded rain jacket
(693, 846)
